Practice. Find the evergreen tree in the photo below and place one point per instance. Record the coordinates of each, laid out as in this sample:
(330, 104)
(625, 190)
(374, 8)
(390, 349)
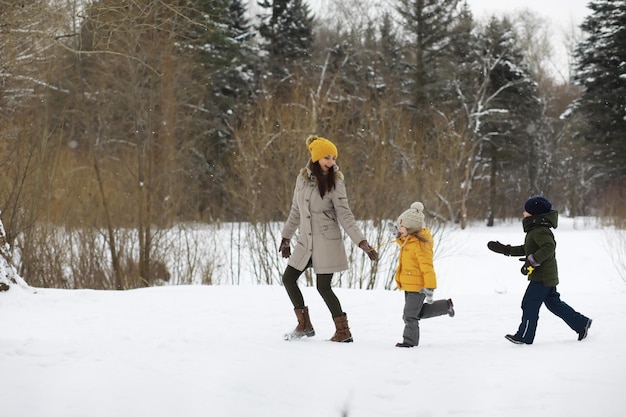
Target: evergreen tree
(429, 24)
(512, 125)
(601, 71)
(393, 70)
(354, 62)
(510, 83)
(464, 58)
(239, 76)
(286, 29)
(219, 38)
(498, 96)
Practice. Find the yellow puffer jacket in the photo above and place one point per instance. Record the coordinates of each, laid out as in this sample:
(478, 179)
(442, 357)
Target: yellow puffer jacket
(415, 266)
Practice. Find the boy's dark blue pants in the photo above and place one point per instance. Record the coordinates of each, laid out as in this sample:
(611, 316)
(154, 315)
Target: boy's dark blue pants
(537, 294)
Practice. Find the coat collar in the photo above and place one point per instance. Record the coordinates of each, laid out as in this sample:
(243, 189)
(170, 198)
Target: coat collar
(550, 219)
(307, 172)
(425, 232)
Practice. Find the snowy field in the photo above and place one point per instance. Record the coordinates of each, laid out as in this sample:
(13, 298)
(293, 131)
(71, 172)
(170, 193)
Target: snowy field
(218, 351)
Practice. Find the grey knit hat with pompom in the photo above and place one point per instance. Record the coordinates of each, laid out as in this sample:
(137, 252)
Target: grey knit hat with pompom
(413, 218)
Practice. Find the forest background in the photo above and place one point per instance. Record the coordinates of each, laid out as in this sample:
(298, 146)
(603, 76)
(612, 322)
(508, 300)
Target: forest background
(126, 124)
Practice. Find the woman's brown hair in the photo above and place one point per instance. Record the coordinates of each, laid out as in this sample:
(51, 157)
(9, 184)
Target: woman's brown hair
(325, 181)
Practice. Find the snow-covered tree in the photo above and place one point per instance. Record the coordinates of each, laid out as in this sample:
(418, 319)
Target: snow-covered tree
(286, 31)
(390, 55)
(429, 24)
(512, 127)
(220, 42)
(8, 273)
(501, 108)
(601, 71)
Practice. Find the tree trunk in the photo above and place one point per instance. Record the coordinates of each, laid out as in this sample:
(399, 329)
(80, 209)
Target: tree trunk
(492, 186)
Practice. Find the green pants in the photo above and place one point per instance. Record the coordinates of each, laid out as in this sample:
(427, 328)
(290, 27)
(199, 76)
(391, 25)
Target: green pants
(323, 281)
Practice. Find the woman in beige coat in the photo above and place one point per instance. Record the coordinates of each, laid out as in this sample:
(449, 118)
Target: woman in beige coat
(319, 206)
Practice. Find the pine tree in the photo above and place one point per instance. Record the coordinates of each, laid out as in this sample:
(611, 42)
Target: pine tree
(601, 71)
(219, 35)
(497, 95)
(237, 78)
(286, 29)
(464, 59)
(429, 23)
(512, 123)
(393, 71)
(219, 39)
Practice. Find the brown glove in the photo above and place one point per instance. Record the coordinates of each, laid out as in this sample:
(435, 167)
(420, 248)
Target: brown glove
(371, 252)
(285, 248)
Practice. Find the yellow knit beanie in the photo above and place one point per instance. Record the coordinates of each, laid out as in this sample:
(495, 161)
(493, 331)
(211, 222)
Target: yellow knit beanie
(320, 147)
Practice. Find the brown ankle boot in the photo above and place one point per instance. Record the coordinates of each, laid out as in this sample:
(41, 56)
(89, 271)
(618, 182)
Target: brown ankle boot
(342, 332)
(304, 327)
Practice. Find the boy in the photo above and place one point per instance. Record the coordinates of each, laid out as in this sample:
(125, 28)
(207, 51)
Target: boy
(541, 268)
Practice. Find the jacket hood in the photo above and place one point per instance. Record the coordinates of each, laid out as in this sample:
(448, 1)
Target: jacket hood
(307, 172)
(424, 232)
(549, 219)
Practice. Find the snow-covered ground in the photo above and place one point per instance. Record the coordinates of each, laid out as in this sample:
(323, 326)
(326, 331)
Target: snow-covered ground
(218, 351)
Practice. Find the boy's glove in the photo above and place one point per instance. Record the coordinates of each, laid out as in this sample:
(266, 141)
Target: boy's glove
(529, 265)
(371, 252)
(499, 248)
(428, 292)
(285, 248)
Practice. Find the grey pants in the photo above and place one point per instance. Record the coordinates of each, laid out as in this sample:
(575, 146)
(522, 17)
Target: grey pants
(415, 310)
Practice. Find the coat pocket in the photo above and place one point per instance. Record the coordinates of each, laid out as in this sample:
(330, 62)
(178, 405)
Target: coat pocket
(330, 214)
(331, 231)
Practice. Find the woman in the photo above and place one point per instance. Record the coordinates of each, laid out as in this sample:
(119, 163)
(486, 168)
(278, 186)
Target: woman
(319, 205)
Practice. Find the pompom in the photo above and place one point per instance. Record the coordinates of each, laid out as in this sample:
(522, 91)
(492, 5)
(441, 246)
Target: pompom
(310, 139)
(417, 206)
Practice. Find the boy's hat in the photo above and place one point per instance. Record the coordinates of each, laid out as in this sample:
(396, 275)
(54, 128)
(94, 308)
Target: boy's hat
(320, 147)
(538, 205)
(413, 218)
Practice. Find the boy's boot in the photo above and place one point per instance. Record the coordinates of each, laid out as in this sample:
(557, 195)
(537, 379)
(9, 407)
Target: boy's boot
(583, 332)
(342, 331)
(304, 327)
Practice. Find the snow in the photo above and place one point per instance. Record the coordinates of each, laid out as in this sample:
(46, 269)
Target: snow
(218, 350)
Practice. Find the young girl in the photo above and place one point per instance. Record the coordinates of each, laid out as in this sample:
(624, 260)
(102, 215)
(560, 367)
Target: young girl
(415, 275)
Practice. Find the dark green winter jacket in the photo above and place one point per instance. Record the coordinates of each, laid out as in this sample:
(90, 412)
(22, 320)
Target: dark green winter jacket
(540, 243)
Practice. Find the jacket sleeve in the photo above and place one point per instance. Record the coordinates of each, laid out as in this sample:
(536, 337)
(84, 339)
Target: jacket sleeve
(344, 214)
(293, 221)
(518, 250)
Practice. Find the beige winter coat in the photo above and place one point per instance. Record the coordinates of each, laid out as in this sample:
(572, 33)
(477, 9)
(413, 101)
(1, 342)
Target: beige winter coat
(318, 222)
